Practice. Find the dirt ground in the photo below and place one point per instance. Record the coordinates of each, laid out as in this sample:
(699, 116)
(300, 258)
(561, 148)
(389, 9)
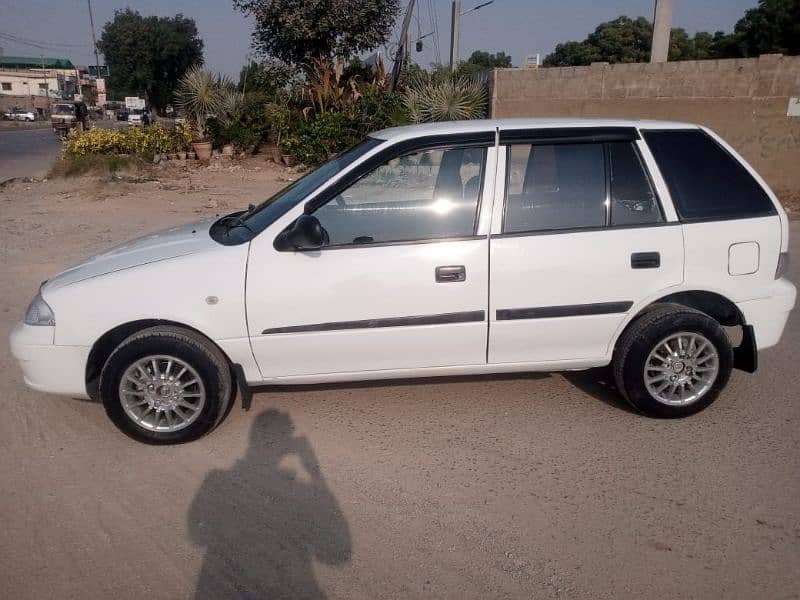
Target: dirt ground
(525, 486)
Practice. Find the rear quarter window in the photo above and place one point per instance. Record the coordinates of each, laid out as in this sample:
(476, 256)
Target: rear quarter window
(704, 180)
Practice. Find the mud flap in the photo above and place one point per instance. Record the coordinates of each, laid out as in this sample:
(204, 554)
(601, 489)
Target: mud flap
(745, 356)
(244, 389)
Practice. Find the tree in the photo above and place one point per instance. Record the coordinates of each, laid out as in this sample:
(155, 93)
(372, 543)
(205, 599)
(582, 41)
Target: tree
(623, 40)
(148, 55)
(772, 26)
(297, 31)
(480, 60)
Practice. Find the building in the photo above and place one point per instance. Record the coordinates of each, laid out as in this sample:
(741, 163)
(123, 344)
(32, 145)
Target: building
(33, 83)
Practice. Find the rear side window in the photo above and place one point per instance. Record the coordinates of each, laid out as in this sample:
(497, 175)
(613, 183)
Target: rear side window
(705, 181)
(633, 201)
(559, 186)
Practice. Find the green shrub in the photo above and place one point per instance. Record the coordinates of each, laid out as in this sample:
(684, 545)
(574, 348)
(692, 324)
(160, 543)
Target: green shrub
(139, 141)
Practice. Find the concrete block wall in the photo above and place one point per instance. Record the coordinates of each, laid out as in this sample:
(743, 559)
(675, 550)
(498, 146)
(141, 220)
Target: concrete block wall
(744, 100)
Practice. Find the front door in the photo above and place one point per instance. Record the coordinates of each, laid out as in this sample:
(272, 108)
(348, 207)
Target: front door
(581, 240)
(402, 284)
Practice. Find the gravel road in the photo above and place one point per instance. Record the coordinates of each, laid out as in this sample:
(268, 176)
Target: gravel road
(527, 486)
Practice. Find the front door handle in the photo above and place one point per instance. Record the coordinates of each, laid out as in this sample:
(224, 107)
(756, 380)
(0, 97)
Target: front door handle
(645, 260)
(450, 274)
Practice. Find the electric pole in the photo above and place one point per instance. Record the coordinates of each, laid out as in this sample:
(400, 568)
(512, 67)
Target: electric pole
(662, 27)
(455, 25)
(94, 41)
(402, 46)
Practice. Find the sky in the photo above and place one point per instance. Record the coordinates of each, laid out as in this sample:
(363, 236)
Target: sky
(517, 27)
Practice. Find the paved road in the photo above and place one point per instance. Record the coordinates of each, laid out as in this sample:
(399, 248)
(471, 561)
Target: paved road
(31, 152)
(526, 486)
(27, 152)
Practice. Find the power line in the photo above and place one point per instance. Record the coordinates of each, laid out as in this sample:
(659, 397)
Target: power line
(23, 41)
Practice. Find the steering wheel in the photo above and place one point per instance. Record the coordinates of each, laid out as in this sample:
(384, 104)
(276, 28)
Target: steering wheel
(340, 201)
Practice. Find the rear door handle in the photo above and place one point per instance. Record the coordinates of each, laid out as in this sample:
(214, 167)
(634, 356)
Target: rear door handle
(645, 260)
(450, 274)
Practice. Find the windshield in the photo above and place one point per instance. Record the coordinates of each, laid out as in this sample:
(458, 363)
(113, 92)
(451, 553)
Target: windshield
(63, 109)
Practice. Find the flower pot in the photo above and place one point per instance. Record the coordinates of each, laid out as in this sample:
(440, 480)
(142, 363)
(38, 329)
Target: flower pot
(202, 149)
(289, 160)
(181, 155)
(227, 150)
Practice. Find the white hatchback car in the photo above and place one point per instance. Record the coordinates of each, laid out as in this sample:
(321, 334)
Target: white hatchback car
(454, 248)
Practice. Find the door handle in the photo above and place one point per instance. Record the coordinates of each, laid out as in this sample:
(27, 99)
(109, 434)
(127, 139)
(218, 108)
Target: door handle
(451, 274)
(645, 260)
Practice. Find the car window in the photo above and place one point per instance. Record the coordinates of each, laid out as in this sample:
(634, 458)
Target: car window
(704, 180)
(633, 200)
(423, 195)
(555, 186)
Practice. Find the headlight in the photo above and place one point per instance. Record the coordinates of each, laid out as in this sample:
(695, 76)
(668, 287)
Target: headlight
(39, 313)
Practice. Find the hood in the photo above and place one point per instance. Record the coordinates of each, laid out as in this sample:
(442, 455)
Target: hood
(170, 243)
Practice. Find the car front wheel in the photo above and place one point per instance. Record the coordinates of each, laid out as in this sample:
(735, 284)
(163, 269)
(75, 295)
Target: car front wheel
(673, 361)
(166, 385)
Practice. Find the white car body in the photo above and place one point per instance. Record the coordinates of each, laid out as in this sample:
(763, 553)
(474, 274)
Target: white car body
(376, 311)
(21, 116)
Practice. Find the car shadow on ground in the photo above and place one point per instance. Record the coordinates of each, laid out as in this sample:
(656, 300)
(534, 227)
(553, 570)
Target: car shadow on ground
(263, 521)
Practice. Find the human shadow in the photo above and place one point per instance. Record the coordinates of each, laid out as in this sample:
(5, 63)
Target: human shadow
(264, 520)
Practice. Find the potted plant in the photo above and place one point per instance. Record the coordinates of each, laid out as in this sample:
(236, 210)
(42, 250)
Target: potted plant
(199, 95)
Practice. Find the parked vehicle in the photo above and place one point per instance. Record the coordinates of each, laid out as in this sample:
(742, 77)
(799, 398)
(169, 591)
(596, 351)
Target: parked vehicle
(138, 117)
(629, 243)
(66, 116)
(122, 115)
(20, 115)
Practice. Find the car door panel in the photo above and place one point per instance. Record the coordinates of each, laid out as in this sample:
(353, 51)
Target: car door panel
(582, 284)
(391, 290)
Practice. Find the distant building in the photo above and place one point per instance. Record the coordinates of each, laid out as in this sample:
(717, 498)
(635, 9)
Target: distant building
(34, 82)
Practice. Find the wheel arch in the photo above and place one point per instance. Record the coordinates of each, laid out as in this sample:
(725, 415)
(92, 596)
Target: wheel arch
(715, 305)
(108, 342)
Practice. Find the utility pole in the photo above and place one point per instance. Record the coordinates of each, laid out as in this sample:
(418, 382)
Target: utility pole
(455, 26)
(94, 40)
(402, 46)
(662, 27)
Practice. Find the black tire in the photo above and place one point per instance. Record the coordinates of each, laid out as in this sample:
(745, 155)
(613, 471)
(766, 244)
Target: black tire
(205, 358)
(642, 336)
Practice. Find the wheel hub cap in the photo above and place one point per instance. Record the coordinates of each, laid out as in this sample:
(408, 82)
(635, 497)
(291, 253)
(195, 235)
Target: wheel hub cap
(681, 368)
(162, 393)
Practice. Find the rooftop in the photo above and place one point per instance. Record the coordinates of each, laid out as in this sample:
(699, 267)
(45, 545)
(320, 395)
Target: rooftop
(34, 62)
(479, 125)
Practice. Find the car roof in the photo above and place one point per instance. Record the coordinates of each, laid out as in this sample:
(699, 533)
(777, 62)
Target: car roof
(483, 125)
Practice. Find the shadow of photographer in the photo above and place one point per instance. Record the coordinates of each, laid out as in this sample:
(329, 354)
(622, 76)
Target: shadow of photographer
(265, 520)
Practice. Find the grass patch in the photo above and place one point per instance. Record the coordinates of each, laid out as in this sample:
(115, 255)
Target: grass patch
(109, 166)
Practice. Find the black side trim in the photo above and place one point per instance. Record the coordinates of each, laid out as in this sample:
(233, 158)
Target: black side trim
(568, 135)
(572, 310)
(473, 316)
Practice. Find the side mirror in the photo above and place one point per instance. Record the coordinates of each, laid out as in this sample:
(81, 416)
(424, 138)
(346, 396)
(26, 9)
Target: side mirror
(306, 233)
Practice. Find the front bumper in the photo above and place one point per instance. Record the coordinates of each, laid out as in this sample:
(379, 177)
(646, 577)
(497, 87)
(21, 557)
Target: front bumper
(47, 367)
(768, 315)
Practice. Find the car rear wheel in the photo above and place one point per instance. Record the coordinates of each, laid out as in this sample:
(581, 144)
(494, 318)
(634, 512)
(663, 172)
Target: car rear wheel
(673, 361)
(166, 385)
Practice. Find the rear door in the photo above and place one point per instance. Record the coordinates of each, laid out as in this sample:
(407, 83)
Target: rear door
(403, 283)
(580, 239)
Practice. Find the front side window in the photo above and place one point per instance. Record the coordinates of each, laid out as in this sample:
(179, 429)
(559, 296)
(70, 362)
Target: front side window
(705, 181)
(556, 186)
(424, 195)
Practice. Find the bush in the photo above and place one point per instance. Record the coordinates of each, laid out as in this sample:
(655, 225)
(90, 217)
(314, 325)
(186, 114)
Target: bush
(316, 139)
(139, 141)
(104, 165)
